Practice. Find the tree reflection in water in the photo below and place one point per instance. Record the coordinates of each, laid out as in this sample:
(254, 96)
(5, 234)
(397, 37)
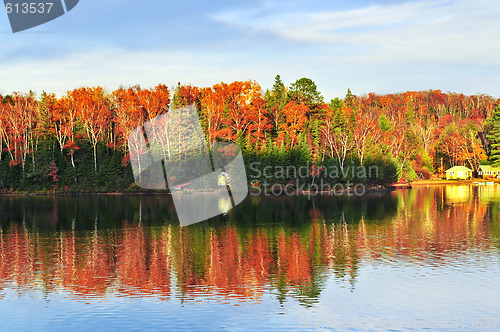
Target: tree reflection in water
(288, 247)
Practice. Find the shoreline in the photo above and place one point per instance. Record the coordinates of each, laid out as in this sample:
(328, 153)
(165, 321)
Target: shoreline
(87, 194)
(395, 186)
(349, 191)
(420, 183)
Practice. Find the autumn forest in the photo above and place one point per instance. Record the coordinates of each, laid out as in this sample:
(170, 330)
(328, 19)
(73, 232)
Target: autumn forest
(78, 142)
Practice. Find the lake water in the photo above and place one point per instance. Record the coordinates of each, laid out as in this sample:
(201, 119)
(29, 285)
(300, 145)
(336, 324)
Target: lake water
(425, 258)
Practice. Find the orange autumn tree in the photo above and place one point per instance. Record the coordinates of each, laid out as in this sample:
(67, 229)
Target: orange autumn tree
(245, 112)
(65, 119)
(18, 118)
(128, 114)
(228, 110)
(95, 114)
(237, 109)
(186, 95)
(155, 101)
(212, 107)
(260, 124)
(459, 144)
(364, 131)
(296, 117)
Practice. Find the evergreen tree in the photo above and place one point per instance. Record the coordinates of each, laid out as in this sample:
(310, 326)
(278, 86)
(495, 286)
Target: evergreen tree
(43, 113)
(336, 104)
(279, 90)
(316, 137)
(494, 136)
(177, 100)
(241, 141)
(275, 100)
(305, 152)
(353, 122)
(384, 123)
(410, 112)
(282, 154)
(349, 99)
(305, 91)
(339, 119)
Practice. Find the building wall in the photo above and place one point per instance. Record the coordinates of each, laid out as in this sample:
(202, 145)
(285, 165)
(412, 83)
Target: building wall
(488, 176)
(458, 175)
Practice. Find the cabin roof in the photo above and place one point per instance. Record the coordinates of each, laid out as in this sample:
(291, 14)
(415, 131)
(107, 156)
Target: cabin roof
(488, 168)
(459, 168)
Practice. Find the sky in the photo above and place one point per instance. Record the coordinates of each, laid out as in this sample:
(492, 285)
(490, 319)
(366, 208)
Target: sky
(380, 46)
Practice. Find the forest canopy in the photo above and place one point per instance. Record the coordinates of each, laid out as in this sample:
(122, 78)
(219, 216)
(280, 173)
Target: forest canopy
(78, 142)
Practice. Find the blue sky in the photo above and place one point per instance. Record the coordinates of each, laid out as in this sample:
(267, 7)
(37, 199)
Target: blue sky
(380, 46)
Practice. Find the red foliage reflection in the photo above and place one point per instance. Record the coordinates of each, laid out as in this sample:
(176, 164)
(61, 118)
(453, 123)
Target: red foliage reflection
(232, 263)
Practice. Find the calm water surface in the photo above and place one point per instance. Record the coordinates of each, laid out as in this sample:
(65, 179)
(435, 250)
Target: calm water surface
(425, 258)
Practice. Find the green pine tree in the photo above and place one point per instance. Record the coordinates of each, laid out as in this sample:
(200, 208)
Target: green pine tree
(336, 104)
(410, 112)
(349, 99)
(353, 122)
(305, 91)
(276, 99)
(43, 114)
(494, 136)
(384, 123)
(340, 120)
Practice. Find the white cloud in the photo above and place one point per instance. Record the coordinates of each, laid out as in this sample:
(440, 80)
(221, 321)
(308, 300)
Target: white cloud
(446, 31)
(444, 44)
(112, 67)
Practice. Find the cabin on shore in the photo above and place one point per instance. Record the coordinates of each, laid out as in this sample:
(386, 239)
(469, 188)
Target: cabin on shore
(488, 172)
(459, 173)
